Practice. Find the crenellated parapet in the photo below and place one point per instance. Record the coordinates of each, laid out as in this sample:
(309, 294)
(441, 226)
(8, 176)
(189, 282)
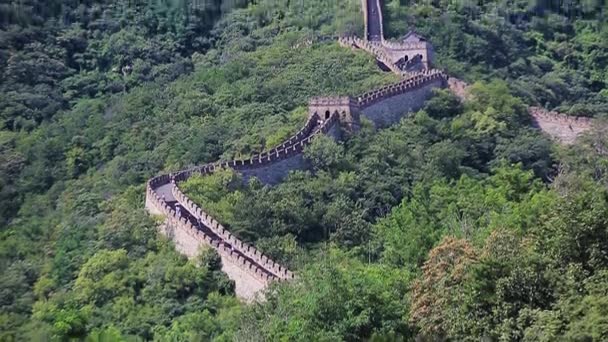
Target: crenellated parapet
(374, 48)
(232, 242)
(562, 127)
(190, 226)
(188, 236)
(419, 79)
(401, 46)
(412, 53)
(400, 58)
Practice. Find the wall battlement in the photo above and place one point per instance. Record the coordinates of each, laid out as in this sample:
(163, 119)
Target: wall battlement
(326, 114)
(175, 221)
(416, 80)
(345, 108)
(400, 46)
(562, 127)
(261, 261)
(372, 48)
(190, 227)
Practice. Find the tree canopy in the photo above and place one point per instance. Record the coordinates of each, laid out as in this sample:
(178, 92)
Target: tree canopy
(461, 222)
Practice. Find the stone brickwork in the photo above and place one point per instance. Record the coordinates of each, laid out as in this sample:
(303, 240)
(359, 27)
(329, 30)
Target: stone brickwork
(564, 128)
(390, 110)
(344, 107)
(373, 48)
(400, 88)
(400, 58)
(191, 228)
(413, 53)
(248, 276)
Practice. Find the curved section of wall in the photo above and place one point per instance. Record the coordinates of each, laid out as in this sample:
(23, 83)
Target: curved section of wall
(387, 105)
(240, 249)
(562, 127)
(373, 20)
(402, 87)
(372, 48)
(190, 227)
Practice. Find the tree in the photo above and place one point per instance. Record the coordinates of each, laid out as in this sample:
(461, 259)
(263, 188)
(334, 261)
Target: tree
(324, 153)
(437, 294)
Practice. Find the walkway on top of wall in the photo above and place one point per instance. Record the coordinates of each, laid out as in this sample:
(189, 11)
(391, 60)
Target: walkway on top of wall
(164, 197)
(374, 21)
(561, 127)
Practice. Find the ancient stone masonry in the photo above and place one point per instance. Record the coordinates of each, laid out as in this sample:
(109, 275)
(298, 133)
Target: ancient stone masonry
(388, 105)
(414, 54)
(375, 49)
(411, 53)
(372, 14)
(345, 108)
(190, 227)
(564, 128)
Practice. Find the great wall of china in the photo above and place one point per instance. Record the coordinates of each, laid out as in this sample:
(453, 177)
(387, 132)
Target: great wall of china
(190, 227)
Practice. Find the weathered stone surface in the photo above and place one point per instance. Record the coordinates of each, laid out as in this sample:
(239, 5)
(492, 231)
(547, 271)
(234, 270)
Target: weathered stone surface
(390, 110)
(191, 228)
(274, 173)
(559, 126)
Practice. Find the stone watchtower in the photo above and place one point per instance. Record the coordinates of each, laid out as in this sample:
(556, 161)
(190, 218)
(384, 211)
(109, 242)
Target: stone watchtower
(411, 53)
(346, 108)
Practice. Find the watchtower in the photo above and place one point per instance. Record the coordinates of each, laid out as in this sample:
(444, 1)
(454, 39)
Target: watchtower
(346, 108)
(411, 52)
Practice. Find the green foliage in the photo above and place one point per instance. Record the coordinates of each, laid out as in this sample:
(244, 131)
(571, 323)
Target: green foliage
(553, 53)
(466, 207)
(97, 97)
(336, 298)
(324, 153)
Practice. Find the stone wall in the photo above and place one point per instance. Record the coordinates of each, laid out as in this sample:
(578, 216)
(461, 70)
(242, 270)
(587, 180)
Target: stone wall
(275, 172)
(395, 51)
(387, 105)
(249, 276)
(273, 165)
(247, 251)
(191, 228)
(390, 110)
(345, 107)
(564, 128)
(375, 49)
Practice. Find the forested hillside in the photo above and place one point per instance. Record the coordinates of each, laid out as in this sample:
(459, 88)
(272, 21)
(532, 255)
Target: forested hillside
(462, 222)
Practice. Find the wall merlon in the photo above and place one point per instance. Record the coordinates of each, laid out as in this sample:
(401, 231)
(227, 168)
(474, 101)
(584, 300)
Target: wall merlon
(326, 115)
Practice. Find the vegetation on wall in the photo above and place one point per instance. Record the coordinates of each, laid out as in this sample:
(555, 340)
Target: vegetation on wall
(461, 222)
(554, 53)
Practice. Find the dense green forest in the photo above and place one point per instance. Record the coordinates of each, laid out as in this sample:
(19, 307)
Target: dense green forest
(459, 223)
